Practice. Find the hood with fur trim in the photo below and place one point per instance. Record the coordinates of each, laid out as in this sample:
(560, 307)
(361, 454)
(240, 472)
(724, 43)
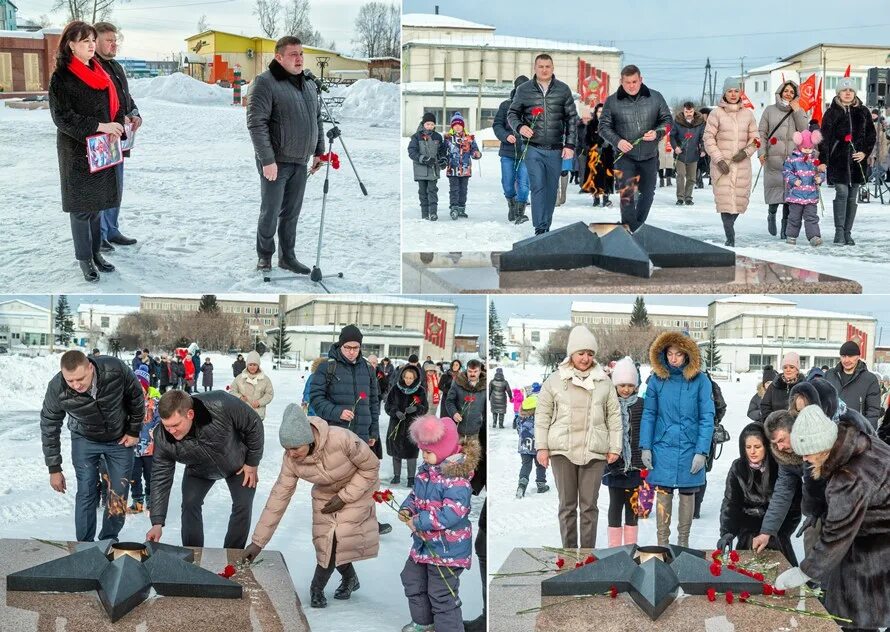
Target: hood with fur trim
(658, 355)
(464, 382)
(465, 462)
(697, 119)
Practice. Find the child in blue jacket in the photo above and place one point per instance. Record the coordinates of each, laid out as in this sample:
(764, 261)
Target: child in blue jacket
(438, 513)
(802, 180)
(525, 426)
(460, 150)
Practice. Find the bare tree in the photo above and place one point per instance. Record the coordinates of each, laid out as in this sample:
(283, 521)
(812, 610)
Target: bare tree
(91, 11)
(44, 21)
(202, 24)
(378, 30)
(297, 21)
(268, 12)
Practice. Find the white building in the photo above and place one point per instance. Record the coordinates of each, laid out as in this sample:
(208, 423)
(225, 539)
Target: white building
(762, 82)
(536, 333)
(24, 324)
(598, 315)
(452, 65)
(96, 322)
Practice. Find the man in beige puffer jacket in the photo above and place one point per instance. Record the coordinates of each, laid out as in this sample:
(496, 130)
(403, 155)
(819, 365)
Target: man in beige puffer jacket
(578, 430)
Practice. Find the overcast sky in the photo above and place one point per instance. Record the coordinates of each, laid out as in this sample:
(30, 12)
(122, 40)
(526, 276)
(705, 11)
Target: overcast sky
(155, 29)
(670, 41)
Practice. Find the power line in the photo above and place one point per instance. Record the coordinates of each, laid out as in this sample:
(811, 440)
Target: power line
(176, 6)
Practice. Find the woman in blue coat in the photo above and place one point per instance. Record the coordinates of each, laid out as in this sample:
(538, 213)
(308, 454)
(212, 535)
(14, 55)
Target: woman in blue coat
(676, 430)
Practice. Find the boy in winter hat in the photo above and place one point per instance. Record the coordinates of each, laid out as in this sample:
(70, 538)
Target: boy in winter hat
(525, 426)
(460, 150)
(427, 151)
(145, 449)
(802, 180)
(438, 513)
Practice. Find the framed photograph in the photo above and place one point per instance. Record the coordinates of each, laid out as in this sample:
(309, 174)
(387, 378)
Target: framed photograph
(103, 152)
(130, 140)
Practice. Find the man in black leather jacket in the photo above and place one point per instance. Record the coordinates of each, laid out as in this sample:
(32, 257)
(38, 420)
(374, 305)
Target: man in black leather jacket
(550, 134)
(105, 407)
(634, 120)
(216, 436)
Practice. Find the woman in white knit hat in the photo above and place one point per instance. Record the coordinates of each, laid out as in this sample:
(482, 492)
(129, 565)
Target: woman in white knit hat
(851, 559)
(577, 431)
(253, 386)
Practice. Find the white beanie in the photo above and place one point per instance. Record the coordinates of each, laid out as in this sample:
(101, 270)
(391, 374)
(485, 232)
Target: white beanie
(580, 339)
(812, 432)
(625, 372)
(253, 358)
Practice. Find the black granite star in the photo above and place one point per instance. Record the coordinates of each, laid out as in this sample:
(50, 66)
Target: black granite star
(124, 583)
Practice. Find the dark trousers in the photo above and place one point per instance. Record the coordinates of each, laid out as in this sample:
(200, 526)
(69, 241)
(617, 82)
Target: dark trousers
(482, 554)
(636, 196)
(428, 588)
(282, 200)
(699, 499)
(85, 232)
(544, 169)
(141, 469)
(498, 420)
(428, 192)
(457, 190)
(323, 573)
(397, 466)
(85, 456)
(526, 469)
(195, 489)
(805, 214)
(619, 499)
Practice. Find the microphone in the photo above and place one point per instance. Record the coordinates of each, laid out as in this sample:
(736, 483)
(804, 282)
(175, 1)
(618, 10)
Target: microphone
(311, 77)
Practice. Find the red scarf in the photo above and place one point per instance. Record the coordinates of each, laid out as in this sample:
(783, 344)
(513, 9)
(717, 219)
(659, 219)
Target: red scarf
(432, 386)
(95, 77)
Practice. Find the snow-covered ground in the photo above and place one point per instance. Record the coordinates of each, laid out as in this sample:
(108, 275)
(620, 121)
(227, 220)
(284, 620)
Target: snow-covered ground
(192, 196)
(30, 508)
(532, 521)
(487, 228)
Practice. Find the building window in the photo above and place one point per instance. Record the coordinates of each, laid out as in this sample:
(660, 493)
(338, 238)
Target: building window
(757, 362)
(536, 336)
(402, 351)
(831, 83)
(488, 115)
(324, 347)
(828, 361)
(372, 349)
(106, 321)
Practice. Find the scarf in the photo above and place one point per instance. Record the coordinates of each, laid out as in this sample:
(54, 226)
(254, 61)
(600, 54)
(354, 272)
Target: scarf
(626, 403)
(96, 78)
(760, 467)
(409, 390)
(432, 386)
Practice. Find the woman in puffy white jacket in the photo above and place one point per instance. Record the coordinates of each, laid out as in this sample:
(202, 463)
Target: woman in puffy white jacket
(253, 386)
(578, 429)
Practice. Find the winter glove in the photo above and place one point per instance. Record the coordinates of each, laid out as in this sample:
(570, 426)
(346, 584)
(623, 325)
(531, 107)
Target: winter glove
(251, 552)
(698, 462)
(809, 522)
(442, 163)
(725, 542)
(411, 409)
(723, 167)
(400, 415)
(646, 457)
(334, 504)
(792, 578)
(740, 155)
(425, 160)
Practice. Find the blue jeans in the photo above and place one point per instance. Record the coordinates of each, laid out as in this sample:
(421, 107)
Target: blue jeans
(108, 218)
(513, 180)
(544, 168)
(85, 457)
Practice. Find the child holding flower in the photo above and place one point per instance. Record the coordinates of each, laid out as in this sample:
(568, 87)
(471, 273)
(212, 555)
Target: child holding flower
(802, 180)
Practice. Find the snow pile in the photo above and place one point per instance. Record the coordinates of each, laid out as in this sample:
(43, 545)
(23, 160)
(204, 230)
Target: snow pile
(25, 391)
(180, 88)
(372, 99)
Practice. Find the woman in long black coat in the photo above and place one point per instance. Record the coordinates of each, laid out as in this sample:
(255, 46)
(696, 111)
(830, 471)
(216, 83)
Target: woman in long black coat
(446, 380)
(84, 102)
(406, 401)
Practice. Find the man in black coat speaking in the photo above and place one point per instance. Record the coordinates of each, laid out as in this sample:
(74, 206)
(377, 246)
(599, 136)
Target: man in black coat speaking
(216, 436)
(105, 407)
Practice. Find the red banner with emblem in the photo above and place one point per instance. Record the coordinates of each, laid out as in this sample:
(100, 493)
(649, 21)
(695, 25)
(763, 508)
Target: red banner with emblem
(808, 93)
(593, 84)
(434, 329)
(860, 338)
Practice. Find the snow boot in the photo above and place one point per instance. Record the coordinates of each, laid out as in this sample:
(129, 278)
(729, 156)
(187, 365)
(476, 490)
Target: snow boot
(424, 212)
(840, 212)
(663, 510)
(791, 241)
(596, 200)
(410, 482)
(433, 214)
(101, 264)
(452, 210)
(630, 534)
(771, 223)
(680, 202)
(606, 202)
(416, 627)
(521, 217)
(89, 271)
(816, 241)
(511, 212)
(462, 212)
(395, 480)
(684, 525)
(316, 588)
(615, 536)
(520, 491)
(563, 185)
(264, 264)
(348, 585)
(543, 488)
(783, 234)
(848, 227)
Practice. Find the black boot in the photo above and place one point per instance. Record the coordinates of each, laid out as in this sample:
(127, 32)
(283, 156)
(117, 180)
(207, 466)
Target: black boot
(424, 212)
(543, 488)
(771, 223)
(453, 212)
(89, 271)
(521, 217)
(596, 200)
(660, 181)
(101, 264)
(462, 211)
(348, 585)
(511, 212)
(607, 201)
(848, 223)
(728, 228)
(316, 588)
(783, 235)
(106, 246)
(840, 214)
(520, 490)
(680, 202)
(433, 214)
(291, 264)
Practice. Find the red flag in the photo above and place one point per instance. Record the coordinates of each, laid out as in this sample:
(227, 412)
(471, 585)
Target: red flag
(593, 84)
(847, 71)
(434, 330)
(808, 93)
(746, 102)
(817, 110)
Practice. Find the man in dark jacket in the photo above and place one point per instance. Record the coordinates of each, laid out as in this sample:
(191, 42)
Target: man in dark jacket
(687, 134)
(105, 407)
(216, 436)
(427, 153)
(344, 391)
(776, 395)
(465, 402)
(514, 173)
(284, 119)
(550, 134)
(634, 120)
(106, 51)
(858, 387)
(238, 365)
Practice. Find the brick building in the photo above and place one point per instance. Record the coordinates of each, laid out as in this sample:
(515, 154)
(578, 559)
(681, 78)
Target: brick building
(27, 60)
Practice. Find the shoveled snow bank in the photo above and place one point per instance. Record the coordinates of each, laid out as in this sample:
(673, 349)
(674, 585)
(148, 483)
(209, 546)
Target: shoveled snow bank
(371, 99)
(180, 88)
(26, 390)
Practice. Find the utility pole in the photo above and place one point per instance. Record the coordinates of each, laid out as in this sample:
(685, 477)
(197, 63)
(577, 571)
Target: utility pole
(479, 94)
(824, 81)
(706, 82)
(444, 92)
(460, 328)
(524, 349)
(52, 337)
(742, 77)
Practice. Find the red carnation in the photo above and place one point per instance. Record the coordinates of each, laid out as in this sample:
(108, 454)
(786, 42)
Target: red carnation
(589, 559)
(613, 592)
(363, 395)
(729, 596)
(688, 135)
(779, 591)
(644, 473)
(731, 567)
(734, 556)
(417, 399)
(387, 495)
(537, 111)
(817, 162)
(716, 555)
(758, 576)
(767, 589)
(560, 562)
(773, 140)
(715, 569)
(757, 143)
(227, 572)
(377, 497)
(667, 129)
(744, 596)
(578, 564)
(848, 138)
(712, 594)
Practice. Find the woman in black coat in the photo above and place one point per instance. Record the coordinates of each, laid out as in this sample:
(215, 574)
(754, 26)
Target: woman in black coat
(749, 485)
(600, 162)
(406, 401)
(84, 102)
(446, 380)
(848, 137)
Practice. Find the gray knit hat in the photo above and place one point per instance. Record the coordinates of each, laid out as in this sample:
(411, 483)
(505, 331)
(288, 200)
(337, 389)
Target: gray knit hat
(294, 430)
(732, 83)
(846, 83)
(812, 431)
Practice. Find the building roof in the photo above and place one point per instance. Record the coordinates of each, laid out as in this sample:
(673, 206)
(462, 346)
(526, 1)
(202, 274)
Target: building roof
(541, 323)
(651, 310)
(805, 50)
(384, 59)
(484, 40)
(788, 345)
(470, 336)
(245, 298)
(758, 299)
(107, 309)
(500, 90)
(28, 303)
(30, 34)
(802, 313)
(335, 331)
(432, 20)
(376, 300)
(768, 68)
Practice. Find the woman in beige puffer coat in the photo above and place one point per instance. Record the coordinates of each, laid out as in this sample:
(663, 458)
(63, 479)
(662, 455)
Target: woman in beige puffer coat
(253, 386)
(344, 473)
(578, 429)
(729, 139)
